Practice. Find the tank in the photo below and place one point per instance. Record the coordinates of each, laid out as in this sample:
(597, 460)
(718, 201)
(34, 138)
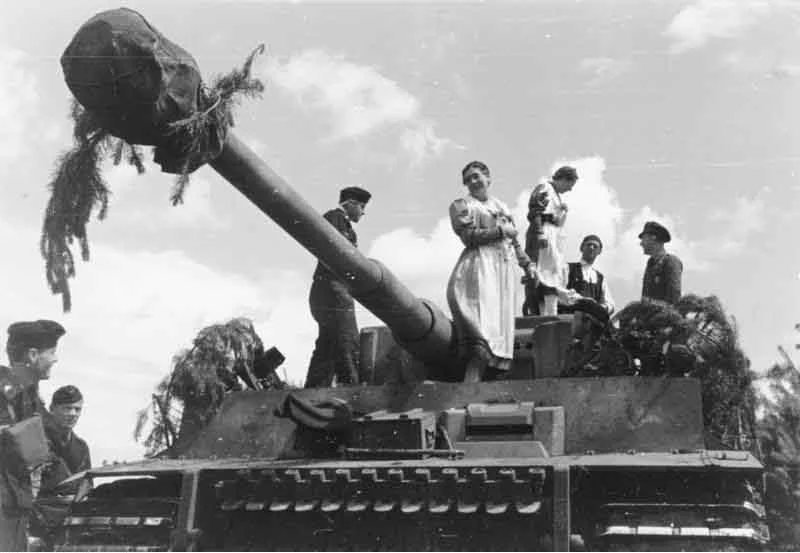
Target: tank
(537, 462)
(540, 461)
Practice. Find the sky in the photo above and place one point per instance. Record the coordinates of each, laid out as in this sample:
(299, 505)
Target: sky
(684, 112)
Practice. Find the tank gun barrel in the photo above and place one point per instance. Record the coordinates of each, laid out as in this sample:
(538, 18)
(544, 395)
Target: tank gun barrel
(419, 325)
(139, 86)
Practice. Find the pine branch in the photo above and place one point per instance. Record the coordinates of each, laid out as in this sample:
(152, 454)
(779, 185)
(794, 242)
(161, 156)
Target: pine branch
(218, 102)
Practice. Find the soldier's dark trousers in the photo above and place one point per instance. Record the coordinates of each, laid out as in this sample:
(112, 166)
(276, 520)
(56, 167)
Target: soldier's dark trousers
(336, 349)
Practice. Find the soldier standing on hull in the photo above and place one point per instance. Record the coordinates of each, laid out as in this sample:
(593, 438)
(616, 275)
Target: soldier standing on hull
(662, 275)
(332, 306)
(31, 349)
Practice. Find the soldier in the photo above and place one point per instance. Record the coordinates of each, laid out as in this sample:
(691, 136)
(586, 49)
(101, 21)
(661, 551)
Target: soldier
(66, 406)
(662, 276)
(31, 349)
(332, 306)
(585, 279)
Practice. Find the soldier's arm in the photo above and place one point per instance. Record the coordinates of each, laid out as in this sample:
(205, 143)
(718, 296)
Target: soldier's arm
(673, 271)
(537, 203)
(86, 458)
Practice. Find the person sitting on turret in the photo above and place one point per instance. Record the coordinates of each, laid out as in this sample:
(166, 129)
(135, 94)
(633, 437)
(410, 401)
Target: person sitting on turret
(480, 291)
(332, 306)
(585, 279)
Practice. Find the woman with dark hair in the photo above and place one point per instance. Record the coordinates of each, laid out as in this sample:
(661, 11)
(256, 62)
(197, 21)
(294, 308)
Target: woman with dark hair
(481, 288)
(544, 244)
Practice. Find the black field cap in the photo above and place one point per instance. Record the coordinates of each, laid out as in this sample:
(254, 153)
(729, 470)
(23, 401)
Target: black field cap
(66, 395)
(566, 173)
(41, 334)
(354, 193)
(657, 230)
(592, 238)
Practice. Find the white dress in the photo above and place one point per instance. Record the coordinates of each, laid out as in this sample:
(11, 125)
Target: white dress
(481, 289)
(552, 266)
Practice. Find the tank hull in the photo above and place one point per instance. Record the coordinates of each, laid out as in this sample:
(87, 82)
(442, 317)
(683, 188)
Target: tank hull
(633, 473)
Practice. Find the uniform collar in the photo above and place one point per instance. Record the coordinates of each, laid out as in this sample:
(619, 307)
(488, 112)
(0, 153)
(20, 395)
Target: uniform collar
(346, 216)
(64, 435)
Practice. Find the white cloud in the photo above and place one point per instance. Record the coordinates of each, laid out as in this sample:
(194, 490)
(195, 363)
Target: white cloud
(424, 262)
(603, 69)
(745, 217)
(155, 212)
(18, 102)
(132, 311)
(626, 260)
(785, 70)
(704, 20)
(358, 99)
(595, 208)
(421, 142)
(432, 255)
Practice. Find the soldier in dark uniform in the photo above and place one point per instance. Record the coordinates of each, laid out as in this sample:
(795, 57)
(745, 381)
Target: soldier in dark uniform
(332, 306)
(662, 276)
(31, 349)
(585, 279)
(72, 452)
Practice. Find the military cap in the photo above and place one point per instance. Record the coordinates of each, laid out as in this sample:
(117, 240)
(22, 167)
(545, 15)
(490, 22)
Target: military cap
(566, 172)
(354, 193)
(41, 334)
(592, 308)
(592, 238)
(66, 395)
(657, 230)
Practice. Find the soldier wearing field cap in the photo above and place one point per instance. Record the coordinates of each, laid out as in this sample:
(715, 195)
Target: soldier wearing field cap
(662, 276)
(66, 407)
(31, 349)
(332, 306)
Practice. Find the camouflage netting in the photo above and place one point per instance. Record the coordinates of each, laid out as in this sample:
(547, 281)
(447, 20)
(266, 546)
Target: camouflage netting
(779, 434)
(221, 359)
(134, 87)
(696, 338)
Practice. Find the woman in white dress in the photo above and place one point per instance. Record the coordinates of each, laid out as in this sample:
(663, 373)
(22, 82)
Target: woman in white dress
(547, 213)
(481, 288)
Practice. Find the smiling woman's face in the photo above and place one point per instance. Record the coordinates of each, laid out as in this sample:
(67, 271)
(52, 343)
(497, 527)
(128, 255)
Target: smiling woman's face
(477, 182)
